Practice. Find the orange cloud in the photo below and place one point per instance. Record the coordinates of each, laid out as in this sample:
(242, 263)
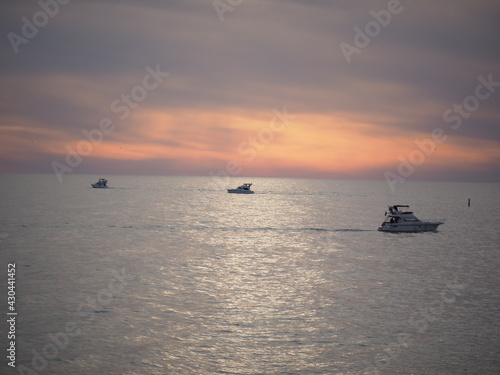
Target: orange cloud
(309, 142)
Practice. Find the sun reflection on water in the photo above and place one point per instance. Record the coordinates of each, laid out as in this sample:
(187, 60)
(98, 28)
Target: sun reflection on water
(265, 290)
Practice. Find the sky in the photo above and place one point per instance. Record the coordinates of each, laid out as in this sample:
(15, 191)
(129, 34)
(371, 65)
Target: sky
(395, 90)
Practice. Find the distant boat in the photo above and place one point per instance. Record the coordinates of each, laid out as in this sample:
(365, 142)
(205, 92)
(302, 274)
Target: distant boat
(243, 189)
(401, 220)
(101, 184)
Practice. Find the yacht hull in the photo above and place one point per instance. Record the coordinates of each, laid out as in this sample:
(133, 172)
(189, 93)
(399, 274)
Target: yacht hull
(239, 191)
(407, 227)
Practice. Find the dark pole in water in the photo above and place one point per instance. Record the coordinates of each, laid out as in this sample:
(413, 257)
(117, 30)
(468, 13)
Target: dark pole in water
(468, 203)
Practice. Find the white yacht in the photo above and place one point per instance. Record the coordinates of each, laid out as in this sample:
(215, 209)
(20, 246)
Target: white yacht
(400, 219)
(243, 189)
(102, 183)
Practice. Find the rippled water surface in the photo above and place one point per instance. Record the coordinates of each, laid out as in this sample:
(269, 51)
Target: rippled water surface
(172, 275)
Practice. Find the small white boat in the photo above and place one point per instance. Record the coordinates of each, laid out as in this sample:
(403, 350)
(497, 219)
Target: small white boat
(243, 189)
(400, 219)
(102, 183)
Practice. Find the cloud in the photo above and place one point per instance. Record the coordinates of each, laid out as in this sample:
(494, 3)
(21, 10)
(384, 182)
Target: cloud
(226, 77)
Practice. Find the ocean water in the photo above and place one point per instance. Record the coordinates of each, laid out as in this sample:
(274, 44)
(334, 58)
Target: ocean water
(172, 275)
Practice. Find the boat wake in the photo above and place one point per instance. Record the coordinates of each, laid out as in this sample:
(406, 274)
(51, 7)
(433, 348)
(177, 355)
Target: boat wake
(338, 230)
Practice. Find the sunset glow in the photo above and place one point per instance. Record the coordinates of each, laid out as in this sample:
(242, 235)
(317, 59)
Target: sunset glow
(189, 94)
